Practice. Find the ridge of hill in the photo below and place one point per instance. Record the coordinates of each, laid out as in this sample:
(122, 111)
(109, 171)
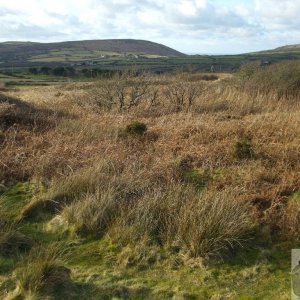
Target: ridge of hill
(12, 52)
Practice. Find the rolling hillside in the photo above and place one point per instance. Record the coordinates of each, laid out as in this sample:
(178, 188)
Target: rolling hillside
(288, 48)
(123, 54)
(18, 53)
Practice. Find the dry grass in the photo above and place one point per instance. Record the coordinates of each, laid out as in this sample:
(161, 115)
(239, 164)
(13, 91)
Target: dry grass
(42, 274)
(149, 172)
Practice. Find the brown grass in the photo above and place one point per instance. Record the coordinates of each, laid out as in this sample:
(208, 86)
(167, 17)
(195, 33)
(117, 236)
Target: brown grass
(199, 137)
(42, 274)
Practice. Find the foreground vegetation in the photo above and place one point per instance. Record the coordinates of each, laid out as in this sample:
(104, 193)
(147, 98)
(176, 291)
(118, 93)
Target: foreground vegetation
(151, 187)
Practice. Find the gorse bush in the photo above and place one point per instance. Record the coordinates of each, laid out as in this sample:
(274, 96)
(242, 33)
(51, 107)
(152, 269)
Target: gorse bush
(243, 149)
(136, 128)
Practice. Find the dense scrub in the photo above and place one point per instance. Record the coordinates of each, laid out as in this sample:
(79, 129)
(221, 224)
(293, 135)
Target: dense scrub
(148, 172)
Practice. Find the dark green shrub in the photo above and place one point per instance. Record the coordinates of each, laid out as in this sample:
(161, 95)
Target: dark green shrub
(33, 71)
(136, 128)
(198, 178)
(243, 148)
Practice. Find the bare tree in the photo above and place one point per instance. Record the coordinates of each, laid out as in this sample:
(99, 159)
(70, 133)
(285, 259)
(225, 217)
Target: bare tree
(182, 94)
(138, 90)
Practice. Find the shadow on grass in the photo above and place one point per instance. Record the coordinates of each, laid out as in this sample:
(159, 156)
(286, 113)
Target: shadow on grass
(93, 291)
(18, 112)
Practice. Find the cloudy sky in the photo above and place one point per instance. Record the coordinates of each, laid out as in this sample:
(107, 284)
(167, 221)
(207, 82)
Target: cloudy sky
(191, 26)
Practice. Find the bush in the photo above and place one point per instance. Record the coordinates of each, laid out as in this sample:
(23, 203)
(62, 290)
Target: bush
(280, 79)
(182, 94)
(136, 128)
(33, 71)
(243, 148)
(59, 71)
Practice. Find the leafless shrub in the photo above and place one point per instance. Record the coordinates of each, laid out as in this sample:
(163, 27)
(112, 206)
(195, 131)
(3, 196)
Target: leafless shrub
(182, 94)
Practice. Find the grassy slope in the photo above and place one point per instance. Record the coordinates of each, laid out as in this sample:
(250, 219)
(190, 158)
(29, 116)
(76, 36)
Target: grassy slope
(20, 52)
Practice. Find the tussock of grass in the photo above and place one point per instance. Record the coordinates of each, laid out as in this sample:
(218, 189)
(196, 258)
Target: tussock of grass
(214, 223)
(42, 273)
(12, 241)
(200, 225)
(290, 222)
(93, 214)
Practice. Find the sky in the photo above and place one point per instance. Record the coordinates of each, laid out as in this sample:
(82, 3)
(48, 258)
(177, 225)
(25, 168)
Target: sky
(190, 26)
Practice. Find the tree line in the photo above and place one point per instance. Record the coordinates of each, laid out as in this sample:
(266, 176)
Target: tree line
(72, 72)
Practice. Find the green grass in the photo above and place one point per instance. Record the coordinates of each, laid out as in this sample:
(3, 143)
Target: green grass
(73, 55)
(100, 266)
(17, 196)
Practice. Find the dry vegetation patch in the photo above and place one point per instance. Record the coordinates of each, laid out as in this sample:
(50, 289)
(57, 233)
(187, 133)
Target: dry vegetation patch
(192, 167)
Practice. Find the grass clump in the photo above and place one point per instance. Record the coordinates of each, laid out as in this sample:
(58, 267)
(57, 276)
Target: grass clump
(12, 241)
(136, 128)
(43, 274)
(199, 225)
(92, 214)
(243, 148)
(290, 221)
(213, 224)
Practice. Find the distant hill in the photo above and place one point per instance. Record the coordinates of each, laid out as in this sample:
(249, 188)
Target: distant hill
(288, 48)
(120, 54)
(20, 52)
(283, 49)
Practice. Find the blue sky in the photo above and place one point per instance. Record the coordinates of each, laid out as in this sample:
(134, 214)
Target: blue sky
(190, 26)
